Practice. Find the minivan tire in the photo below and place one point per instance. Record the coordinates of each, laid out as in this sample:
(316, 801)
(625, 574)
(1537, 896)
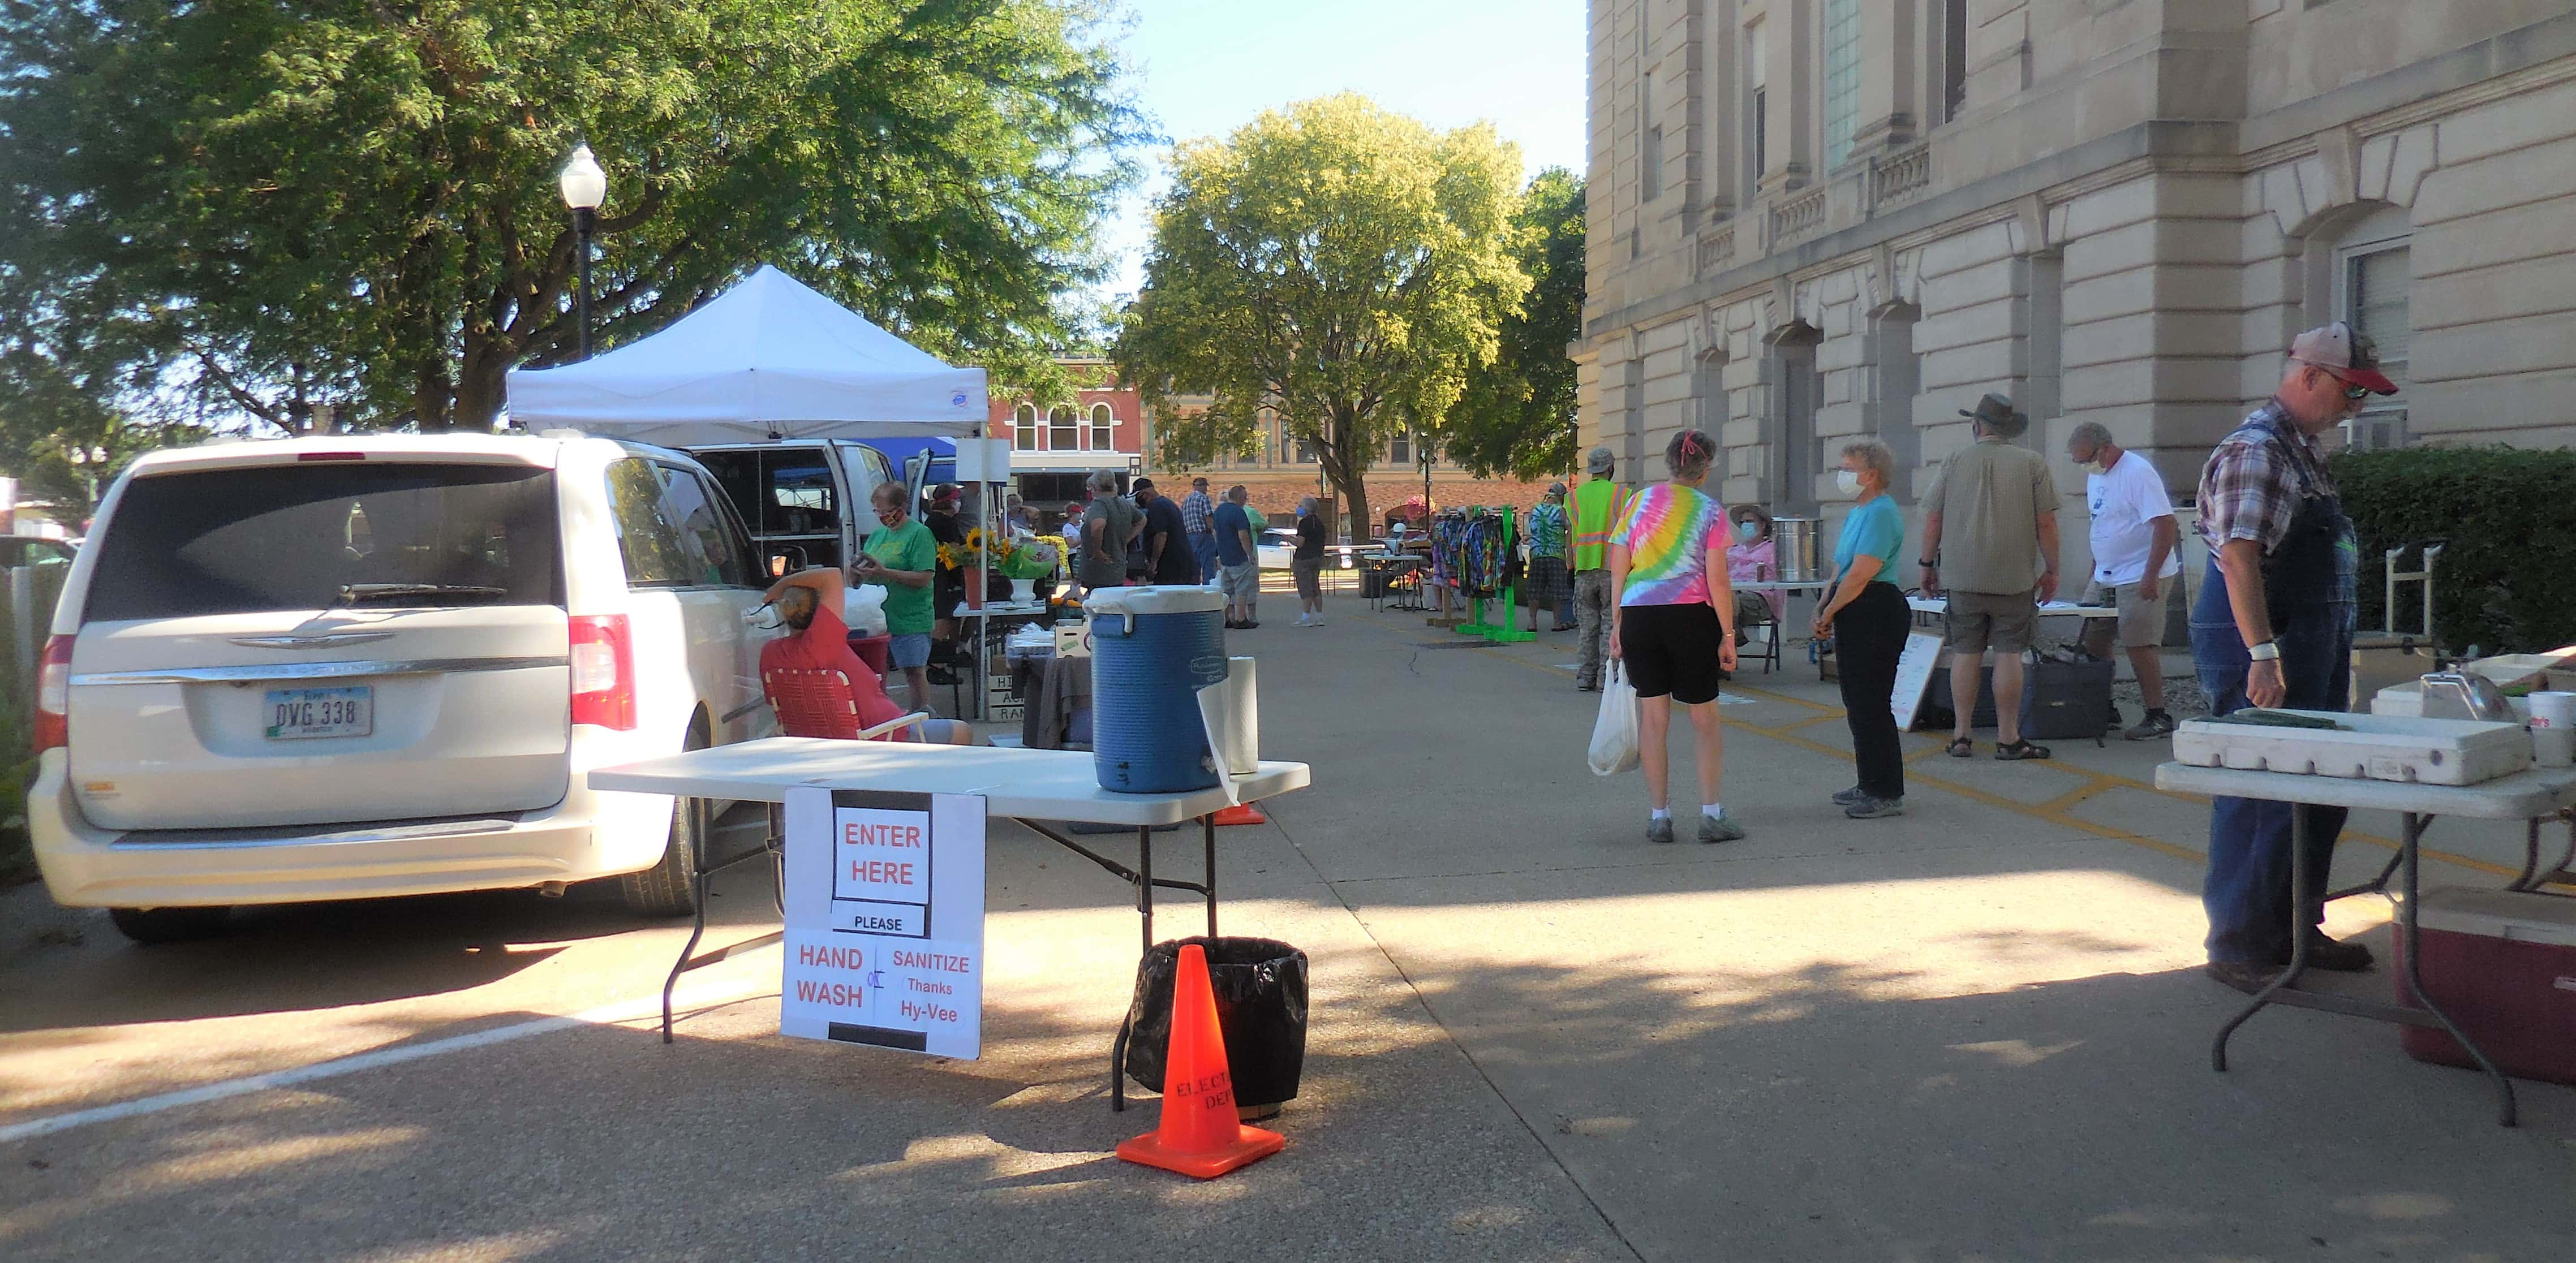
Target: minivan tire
(669, 888)
(154, 926)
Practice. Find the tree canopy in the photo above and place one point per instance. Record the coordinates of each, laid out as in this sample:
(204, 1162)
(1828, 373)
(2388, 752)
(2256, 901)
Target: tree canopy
(1516, 417)
(204, 204)
(1334, 264)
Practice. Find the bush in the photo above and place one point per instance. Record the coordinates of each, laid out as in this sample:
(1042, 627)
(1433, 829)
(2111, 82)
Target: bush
(2506, 581)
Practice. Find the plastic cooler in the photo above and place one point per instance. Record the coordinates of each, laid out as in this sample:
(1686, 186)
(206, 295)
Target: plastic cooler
(872, 651)
(1152, 650)
(2502, 964)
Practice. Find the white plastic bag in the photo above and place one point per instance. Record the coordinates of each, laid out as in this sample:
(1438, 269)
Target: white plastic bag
(1614, 734)
(863, 609)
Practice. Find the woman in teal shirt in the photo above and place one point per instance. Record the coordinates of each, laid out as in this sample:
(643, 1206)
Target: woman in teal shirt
(1866, 616)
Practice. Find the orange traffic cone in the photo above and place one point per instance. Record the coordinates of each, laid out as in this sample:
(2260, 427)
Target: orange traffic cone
(1242, 813)
(1200, 1134)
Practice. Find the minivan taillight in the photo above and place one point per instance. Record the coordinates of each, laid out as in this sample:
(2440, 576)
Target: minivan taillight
(603, 672)
(54, 695)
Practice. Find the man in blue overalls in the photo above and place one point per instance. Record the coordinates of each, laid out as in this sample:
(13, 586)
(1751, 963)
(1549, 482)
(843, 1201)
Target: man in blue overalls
(2272, 627)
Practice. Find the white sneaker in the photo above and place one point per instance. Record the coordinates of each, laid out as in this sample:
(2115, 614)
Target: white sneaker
(1301, 620)
(1317, 621)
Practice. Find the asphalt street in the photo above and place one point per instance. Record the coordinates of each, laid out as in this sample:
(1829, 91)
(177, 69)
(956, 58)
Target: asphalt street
(1975, 1031)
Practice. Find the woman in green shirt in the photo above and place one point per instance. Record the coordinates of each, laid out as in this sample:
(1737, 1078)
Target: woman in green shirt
(901, 557)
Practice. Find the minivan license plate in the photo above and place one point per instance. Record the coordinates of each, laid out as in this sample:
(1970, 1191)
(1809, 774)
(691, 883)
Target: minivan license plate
(299, 714)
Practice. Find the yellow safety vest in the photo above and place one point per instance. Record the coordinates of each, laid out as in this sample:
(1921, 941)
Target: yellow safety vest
(1598, 507)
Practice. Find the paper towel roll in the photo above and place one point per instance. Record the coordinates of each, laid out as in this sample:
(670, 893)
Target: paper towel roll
(1232, 711)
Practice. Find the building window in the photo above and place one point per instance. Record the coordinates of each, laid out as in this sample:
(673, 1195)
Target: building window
(2377, 278)
(1064, 430)
(1842, 79)
(1954, 58)
(1757, 113)
(1305, 452)
(1651, 143)
(1024, 428)
(1103, 432)
(1399, 450)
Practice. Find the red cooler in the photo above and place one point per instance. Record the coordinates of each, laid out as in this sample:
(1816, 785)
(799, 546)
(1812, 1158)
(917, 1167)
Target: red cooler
(2503, 965)
(872, 651)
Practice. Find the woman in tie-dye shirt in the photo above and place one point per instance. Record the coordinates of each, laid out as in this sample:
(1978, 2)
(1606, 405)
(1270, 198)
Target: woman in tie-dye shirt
(1673, 626)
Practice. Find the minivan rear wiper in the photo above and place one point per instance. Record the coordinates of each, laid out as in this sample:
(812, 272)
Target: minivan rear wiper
(366, 593)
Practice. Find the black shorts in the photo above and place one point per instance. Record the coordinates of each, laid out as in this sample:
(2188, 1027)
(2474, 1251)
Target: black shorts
(1672, 649)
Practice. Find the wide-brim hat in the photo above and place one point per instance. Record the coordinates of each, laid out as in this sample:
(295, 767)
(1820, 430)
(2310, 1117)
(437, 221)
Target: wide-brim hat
(1996, 413)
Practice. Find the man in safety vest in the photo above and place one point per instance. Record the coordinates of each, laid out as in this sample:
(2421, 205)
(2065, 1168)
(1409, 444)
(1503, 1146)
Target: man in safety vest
(1598, 506)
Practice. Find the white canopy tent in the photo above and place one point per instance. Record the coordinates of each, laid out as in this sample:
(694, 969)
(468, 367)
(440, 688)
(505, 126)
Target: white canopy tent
(769, 358)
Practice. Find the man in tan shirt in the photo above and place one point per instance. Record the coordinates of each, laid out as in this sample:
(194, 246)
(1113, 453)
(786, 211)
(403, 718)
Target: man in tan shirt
(1995, 507)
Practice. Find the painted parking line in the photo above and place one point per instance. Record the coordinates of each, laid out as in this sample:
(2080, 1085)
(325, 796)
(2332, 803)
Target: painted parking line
(605, 1015)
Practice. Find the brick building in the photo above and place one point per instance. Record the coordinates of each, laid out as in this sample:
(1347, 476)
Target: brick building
(1818, 219)
(1277, 470)
(1054, 449)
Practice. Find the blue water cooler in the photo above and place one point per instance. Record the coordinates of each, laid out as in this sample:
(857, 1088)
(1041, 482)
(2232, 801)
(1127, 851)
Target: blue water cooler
(1152, 650)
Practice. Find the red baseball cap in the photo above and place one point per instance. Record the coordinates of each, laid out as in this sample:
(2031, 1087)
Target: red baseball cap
(2345, 352)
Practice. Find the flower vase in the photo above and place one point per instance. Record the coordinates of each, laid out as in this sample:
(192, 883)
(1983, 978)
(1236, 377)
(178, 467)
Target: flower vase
(974, 592)
(1024, 591)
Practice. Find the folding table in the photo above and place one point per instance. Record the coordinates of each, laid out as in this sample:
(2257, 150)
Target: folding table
(2533, 795)
(1033, 787)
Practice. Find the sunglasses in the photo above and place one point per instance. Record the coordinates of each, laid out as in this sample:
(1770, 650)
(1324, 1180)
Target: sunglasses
(2351, 392)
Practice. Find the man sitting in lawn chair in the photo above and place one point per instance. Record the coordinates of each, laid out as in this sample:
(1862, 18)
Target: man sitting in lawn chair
(816, 682)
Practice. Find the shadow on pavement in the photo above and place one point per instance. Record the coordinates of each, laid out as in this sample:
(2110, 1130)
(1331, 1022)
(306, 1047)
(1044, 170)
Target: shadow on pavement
(1816, 1113)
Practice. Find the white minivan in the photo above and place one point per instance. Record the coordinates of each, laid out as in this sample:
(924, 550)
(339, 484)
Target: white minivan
(334, 668)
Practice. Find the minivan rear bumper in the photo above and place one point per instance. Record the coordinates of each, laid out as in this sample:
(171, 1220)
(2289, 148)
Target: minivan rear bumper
(585, 836)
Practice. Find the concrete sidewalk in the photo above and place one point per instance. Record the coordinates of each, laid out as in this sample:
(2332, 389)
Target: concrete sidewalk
(1975, 1031)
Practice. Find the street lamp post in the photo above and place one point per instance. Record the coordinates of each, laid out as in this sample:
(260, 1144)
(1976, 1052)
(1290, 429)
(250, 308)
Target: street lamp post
(584, 187)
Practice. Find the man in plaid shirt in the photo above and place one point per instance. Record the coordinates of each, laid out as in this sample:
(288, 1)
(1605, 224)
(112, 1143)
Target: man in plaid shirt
(1198, 522)
(2272, 627)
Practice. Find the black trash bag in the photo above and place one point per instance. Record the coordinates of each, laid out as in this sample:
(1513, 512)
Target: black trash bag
(1260, 986)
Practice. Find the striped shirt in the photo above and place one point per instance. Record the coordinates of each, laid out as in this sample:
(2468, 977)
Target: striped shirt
(1669, 533)
(2248, 491)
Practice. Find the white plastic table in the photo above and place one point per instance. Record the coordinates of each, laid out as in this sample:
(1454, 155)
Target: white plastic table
(2531, 795)
(1032, 787)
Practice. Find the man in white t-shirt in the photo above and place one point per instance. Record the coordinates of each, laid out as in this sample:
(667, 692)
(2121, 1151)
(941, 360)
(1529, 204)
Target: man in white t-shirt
(2134, 562)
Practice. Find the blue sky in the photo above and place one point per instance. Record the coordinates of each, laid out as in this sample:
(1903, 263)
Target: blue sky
(1206, 67)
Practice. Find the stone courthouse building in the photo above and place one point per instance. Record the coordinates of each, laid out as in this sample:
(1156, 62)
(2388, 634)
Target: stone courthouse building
(1818, 219)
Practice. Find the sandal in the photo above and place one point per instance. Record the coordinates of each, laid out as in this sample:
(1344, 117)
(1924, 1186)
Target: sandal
(2019, 750)
(1961, 748)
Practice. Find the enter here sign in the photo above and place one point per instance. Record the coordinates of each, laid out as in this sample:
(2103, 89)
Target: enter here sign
(885, 920)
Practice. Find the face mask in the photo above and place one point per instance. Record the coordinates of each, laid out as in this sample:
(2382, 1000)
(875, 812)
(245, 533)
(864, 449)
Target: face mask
(1748, 531)
(1847, 482)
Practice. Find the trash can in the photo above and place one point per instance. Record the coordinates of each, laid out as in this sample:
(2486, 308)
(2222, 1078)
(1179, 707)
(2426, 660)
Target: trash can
(1260, 987)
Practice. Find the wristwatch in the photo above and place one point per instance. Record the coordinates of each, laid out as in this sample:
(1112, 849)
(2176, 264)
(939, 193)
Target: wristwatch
(1929, 565)
(2268, 651)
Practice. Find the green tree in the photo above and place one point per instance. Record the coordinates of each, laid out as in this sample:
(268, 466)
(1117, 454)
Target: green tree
(1516, 417)
(1335, 264)
(202, 203)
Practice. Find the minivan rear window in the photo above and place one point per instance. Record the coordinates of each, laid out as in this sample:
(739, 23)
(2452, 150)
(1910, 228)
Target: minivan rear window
(310, 536)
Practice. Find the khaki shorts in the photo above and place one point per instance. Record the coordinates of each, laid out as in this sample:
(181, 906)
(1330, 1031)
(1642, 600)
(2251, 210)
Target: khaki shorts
(1309, 574)
(2141, 624)
(1242, 583)
(2002, 621)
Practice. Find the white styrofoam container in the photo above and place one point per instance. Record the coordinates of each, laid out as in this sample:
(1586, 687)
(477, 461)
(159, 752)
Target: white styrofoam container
(2370, 747)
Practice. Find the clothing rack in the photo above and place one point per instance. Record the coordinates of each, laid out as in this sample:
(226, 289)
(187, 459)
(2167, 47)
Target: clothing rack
(1487, 565)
